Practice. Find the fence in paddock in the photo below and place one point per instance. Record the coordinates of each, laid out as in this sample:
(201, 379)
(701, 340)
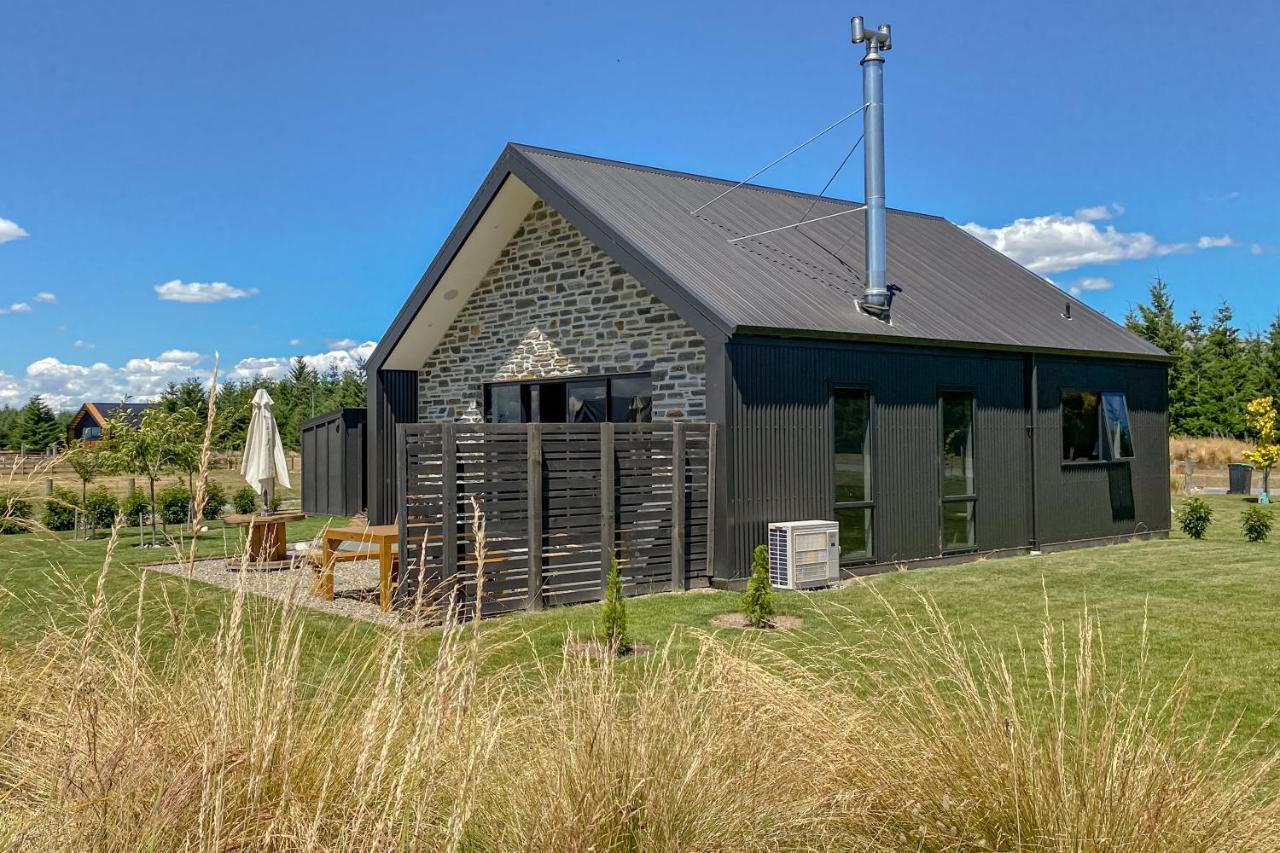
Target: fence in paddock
(559, 500)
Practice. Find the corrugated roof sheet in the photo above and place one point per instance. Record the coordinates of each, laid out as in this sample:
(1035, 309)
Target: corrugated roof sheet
(955, 289)
(133, 411)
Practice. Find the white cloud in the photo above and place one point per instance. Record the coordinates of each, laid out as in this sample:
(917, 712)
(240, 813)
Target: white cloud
(1091, 283)
(194, 292)
(295, 342)
(1056, 242)
(1259, 249)
(66, 385)
(277, 367)
(340, 343)
(17, 308)
(47, 298)
(10, 230)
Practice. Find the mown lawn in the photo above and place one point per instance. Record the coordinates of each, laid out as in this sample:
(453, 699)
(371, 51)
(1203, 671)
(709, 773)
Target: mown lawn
(1210, 605)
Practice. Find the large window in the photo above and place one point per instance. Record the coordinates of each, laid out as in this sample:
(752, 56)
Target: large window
(620, 399)
(1095, 426)
(959, 497)
(854, 504)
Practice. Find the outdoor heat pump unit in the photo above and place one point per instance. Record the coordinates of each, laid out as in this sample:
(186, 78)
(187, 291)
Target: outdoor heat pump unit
(804, 554)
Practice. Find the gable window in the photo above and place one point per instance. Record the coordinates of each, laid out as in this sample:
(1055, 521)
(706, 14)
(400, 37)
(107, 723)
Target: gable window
(959, 497)
(91, 433)
(1095, 426)
(854, 504)
(598, 399)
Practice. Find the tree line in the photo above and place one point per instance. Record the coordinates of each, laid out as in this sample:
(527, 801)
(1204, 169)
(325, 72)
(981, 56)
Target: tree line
(300, 395)
(1216, 370)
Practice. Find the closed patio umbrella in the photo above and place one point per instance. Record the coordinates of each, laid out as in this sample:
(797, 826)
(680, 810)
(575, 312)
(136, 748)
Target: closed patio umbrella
(264, 465)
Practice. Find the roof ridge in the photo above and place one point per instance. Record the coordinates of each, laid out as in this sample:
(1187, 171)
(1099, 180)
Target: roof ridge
(677, 173)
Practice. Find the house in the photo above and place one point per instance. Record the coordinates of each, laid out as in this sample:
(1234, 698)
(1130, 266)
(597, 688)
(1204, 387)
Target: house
(92, 417)
(987, 413)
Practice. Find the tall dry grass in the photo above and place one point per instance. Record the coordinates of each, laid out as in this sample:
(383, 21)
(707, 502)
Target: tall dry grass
(1208, 451)
(915, 737)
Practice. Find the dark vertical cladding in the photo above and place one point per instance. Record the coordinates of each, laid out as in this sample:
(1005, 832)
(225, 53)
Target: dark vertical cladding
(333, 463)
(779, 444)
(393, 400)
(779, 440)
(1079, 501)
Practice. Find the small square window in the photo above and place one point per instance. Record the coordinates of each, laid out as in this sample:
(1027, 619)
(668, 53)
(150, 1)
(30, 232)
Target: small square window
(1080, 426)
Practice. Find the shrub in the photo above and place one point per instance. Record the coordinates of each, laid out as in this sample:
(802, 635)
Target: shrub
(614, 618)
(60, 510)
(100, 508)
(15, 513)
(173, 504)
(1194, 517)
(1256, 523)
(245, 500)
(759, 602)
(134, 505)
(215, 499)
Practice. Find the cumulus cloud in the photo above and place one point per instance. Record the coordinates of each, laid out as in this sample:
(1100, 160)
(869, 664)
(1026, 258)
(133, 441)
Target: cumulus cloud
(1057, 242)
(1091, 283)
(196, 293)
(17, 308)
(10, 230)
(65, 385)
(47, 298)
(340, 343)
(277, 367)
(180, 356)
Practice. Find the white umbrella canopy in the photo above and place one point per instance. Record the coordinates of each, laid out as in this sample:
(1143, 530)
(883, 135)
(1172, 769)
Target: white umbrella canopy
(264, 464)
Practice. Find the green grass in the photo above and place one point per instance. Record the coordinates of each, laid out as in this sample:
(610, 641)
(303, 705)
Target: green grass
(1209, 605)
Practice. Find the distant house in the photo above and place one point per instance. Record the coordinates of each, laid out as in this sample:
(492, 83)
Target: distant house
(88, 423)
(993, 413)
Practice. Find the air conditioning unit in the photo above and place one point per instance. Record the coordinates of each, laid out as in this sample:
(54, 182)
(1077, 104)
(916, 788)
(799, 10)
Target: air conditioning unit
(804, 554)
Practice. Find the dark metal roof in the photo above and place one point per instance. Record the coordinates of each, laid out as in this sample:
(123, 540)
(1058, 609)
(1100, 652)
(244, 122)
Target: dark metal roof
(133, 412)
(956, 290)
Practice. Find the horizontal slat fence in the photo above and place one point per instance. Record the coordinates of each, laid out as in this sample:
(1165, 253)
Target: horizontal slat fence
(558, 501)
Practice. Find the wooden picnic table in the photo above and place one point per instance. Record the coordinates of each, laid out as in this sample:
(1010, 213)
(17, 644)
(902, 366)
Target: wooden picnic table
(268, 547)
(382, 538)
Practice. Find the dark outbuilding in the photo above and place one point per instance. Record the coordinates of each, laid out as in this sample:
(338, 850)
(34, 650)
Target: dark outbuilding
(991, 413)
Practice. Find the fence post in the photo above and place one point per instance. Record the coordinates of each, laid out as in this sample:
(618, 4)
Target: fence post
(533, 439)
(402, 513)
(677, 507)
(607, 506)
(449, 501)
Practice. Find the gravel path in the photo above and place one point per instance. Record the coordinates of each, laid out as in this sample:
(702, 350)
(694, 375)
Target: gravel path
(355, 585)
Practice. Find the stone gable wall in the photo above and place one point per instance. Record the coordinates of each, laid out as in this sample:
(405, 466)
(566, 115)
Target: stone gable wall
(554, 305)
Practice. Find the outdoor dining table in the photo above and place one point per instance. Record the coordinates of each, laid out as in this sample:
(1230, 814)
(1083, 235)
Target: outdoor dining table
(268, 546)
(383, 537)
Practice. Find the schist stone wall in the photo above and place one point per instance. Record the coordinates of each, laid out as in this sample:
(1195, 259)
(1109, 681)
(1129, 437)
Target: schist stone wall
(554, 305)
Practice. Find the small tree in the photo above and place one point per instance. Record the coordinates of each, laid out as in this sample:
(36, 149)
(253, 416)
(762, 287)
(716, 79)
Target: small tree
(1260, 415)
(759, 602)
(1256, 523)
(100, 508)
(614, 617)
(1194, 517)
(60, 510)
(87, 461)
(159, 444)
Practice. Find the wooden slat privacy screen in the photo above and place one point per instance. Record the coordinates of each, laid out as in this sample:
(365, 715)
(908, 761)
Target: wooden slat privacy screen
(557, 498)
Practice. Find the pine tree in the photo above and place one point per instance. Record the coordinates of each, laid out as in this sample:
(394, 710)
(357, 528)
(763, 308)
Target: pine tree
(759, 602)
(37, 428)
(1159, 324)
(614, 618)
(1222, 390)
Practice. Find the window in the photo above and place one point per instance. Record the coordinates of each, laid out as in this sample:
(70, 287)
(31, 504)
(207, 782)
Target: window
(853, 499)
(958, 494)
(1095, 426)
(620, 399)
(92, 433)
(1115, 417)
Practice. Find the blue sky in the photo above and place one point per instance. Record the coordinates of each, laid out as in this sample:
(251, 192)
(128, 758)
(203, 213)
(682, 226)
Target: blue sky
(310, 158)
